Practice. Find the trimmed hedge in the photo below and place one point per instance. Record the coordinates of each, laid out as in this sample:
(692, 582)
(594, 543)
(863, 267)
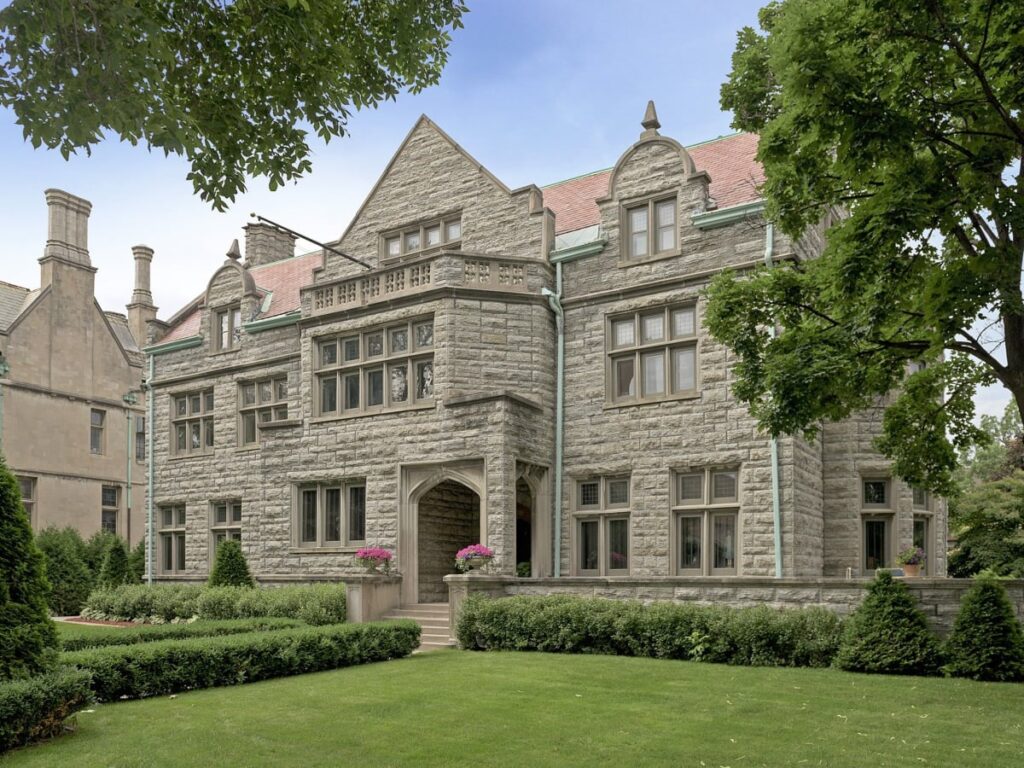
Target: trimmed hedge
(313, 604)
(168, 666)
(563, 624)
(36, 707)
(986, 642)
(154, 633)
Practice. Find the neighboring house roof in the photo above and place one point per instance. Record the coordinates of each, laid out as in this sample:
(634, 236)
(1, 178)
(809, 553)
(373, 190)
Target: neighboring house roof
(730, 161)
(13, 299)
(121, 330)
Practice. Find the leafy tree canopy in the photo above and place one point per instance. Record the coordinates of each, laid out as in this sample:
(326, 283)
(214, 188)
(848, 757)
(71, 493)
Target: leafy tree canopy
(233, 86)
(902, 122)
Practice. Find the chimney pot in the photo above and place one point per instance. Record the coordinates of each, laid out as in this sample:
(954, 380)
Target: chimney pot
(67, 227)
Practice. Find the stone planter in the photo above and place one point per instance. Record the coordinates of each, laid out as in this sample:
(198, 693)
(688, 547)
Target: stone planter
(911, 571)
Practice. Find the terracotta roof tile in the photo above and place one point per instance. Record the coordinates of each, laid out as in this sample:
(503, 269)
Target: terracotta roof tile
(730, 161)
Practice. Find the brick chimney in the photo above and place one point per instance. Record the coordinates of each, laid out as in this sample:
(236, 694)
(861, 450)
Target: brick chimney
(141, 310)
(265, 243)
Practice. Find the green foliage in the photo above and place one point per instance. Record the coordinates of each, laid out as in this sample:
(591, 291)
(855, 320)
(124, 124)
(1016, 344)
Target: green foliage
(317, 604)
(27, 636)
(95, 551)
(115, 566)
(562, 624)
(888, 634)
(167, 666)
(986, 641)
(899, 124)
(229, 567)
(232, 87)
(989, 525)
(37, 707)
(153, 633)
(65, 570)
(137, 563)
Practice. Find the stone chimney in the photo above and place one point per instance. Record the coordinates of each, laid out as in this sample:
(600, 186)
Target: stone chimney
(265, 243)
(141, 310)
(67, 239)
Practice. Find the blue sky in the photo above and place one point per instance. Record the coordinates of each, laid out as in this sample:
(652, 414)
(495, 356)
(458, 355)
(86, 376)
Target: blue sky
(536, 90)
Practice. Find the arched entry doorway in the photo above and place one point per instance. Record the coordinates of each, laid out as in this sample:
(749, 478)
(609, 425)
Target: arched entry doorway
(524, 528)
(447, 519)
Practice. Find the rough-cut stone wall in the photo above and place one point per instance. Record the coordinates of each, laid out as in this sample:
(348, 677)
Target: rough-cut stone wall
(939, 599)
(448, 520)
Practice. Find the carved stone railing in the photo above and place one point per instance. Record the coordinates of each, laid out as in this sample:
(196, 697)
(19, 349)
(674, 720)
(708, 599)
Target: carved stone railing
(441, 271)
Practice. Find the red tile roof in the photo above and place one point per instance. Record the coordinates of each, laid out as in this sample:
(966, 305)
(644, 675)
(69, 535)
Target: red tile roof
(730, 161)
(735, 178)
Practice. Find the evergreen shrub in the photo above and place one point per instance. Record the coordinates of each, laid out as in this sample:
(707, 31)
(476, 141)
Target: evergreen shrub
(114, 571)
(38, 707)
(229, 567)
(888, 634)
(151, 633)
(65, 570)
(986, 642)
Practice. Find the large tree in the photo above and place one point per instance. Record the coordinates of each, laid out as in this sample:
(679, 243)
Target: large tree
(903, 120)
(235, 86)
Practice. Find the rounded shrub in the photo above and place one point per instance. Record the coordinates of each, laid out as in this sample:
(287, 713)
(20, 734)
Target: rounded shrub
(65, 570)
(888, 634)
(115, 572)
(986, 641)
(28, 638)
(229, 567)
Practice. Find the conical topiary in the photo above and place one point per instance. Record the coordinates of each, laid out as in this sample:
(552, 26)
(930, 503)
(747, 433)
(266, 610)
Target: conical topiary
(95, 552)
(888, 634)
(65, 570)
(27, 636)
(114, 572)
(986, 642)
(229, 567)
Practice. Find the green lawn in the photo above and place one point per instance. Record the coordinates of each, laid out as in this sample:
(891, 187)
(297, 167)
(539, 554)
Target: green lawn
(71, 629)
(505, 709)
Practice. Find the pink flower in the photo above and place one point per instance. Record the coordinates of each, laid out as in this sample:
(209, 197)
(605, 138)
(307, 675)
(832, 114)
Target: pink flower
(475, 551)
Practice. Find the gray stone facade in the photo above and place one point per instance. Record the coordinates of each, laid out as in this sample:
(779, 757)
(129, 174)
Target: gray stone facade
(465, 450)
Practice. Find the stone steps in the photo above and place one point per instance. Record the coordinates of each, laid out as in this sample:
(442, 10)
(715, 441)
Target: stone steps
(433, 620)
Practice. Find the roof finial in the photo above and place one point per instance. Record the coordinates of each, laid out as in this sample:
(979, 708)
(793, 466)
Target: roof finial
(650, 121)
(233, 252)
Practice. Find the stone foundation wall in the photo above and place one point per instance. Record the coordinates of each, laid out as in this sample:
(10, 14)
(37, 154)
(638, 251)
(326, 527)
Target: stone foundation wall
(938, 598)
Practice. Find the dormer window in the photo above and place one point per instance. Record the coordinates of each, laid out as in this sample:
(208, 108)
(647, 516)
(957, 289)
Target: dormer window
(227, 328)
(649, 229)
(420, 238)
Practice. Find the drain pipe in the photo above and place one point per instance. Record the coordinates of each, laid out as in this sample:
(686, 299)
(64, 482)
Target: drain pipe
(555, 301)
(773, 442)
(150, 408)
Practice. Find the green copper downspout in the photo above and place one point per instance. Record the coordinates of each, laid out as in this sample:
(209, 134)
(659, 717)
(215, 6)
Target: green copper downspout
(150, 410)
(773, 442)
(555, 300)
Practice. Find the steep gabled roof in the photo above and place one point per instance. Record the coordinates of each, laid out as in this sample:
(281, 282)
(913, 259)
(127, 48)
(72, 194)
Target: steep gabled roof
(13, 299)
(730, 161)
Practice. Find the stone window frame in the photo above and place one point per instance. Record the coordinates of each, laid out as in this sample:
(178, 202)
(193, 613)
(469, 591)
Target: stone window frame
(171, 534)
(921, 499)
(276, 408)
(341, 368)
(651, 203)
(28, 499)
(347, 520)
(97, 431)
(228, 528)
(110, 507)
(707, 506)
(603, 513)
(638, 349)
(873, 513)
(401, 235)
(231, 315)
(203, 417)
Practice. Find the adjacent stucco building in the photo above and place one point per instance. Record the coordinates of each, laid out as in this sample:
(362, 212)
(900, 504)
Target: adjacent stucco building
(72, 423)
(405, 388)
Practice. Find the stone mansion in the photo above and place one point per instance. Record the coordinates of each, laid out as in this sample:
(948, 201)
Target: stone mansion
(526, 368)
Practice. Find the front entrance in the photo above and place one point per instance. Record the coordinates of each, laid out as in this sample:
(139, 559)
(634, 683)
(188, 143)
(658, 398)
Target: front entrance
(524, 528)
(448, 519)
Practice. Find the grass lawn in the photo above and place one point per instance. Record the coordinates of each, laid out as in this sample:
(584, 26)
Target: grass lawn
(529, 709)
(71, 629)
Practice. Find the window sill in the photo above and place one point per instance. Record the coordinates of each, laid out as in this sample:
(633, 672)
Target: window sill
(199, 455)
(879, 511)
(222, 352)
(608, 406)
(347, 550)
(625, 263)
(364, 414)
(283, 424)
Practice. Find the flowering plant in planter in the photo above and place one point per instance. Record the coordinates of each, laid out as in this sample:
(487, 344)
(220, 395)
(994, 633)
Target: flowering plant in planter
(473, 556)
(375, 559)
(912, 556)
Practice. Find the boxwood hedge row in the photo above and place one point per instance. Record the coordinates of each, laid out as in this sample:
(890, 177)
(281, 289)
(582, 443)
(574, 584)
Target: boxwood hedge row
(153, 633)
(37, 707)
(169, 666)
